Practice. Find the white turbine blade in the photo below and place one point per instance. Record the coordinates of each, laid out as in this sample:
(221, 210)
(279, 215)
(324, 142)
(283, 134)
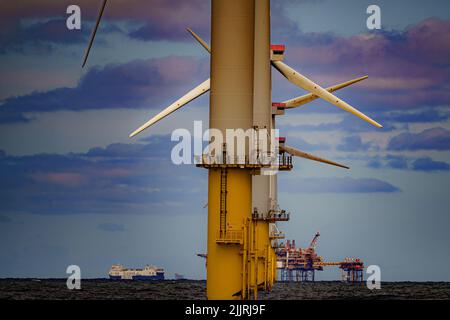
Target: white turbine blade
(299, 153)
(200, 40)
(301, 81)
(299, 101)
(188, 97)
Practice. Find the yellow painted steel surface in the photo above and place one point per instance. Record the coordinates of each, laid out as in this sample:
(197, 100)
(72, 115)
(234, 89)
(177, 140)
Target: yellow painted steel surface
(231, 106)
(225, 261)
(262, 246)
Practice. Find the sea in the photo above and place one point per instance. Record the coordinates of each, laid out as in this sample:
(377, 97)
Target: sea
(105, 289)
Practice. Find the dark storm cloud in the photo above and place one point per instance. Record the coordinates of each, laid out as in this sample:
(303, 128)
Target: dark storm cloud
(137, 84)
(429, 139)
(121, 178)
(339, 185)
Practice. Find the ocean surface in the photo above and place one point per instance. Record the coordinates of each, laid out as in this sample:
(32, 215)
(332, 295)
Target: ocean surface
(103, 289)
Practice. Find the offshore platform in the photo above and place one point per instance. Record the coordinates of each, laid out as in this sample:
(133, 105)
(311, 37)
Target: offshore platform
(242, 190)
(301, 264)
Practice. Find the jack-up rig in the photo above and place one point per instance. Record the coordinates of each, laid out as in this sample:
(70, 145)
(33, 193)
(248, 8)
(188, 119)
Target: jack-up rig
(301, 264)
(242, 195)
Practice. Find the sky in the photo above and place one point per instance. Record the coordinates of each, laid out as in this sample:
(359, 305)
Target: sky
(74, 189)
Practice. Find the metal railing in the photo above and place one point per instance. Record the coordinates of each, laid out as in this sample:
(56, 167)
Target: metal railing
(230, 236)
(271, 216)
(266, 159)
(284, 160)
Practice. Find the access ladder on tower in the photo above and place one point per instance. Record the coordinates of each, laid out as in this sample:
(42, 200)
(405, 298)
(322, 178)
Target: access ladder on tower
(223, 200)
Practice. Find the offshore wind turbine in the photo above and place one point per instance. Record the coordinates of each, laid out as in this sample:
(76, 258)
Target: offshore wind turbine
(240, 253)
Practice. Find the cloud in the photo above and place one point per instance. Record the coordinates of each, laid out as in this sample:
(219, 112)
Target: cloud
(389, 161)
(63, 179)
(120, 179)
(425, 164)
(391, 120)
(428, 164)
(43, 36)
(397, 162)
(137, 84)
(429, 139)
(305, 145)
(407, 69)
(403, 75)
(349, 123)
(352, 144)
(340, 185)
(425, 115)
(168, 20)
(111, 227)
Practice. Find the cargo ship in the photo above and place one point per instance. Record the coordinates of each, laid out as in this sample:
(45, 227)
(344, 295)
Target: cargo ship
(149, 272)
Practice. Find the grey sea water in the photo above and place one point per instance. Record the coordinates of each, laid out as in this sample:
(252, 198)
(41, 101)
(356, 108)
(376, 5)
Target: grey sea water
(26, 289)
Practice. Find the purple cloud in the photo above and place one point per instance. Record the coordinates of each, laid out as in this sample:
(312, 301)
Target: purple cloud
(120, 178)
(430, 139)
(168, 19)
(396, 162)
(428, 164)
(137, 84)
(399, 162)
(407, 70)
(39, 36)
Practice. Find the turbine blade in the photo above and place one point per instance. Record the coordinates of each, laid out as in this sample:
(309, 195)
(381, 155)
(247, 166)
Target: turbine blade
(298, 153)
(200, 40)
(94, 32)
(299, 101)
(188, 97)
(303, 82)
